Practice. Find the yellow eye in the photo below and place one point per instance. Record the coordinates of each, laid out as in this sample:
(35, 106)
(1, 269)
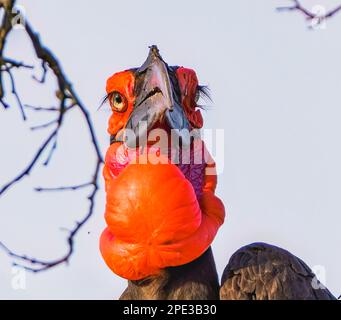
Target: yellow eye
(118, 102)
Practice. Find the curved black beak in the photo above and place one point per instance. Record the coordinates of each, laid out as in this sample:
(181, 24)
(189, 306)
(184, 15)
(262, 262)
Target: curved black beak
(155, 100)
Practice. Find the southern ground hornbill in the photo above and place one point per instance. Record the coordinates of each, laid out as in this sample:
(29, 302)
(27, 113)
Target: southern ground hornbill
(161, 210)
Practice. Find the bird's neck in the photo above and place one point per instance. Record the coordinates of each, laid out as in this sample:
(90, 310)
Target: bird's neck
(197, 280)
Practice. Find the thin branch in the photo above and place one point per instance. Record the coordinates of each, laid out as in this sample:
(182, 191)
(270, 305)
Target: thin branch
(66, 95)
(62, 110)
(15, 93)
(17, 256)
(333, 12)
(309, 15)
(35, 108)
(44, 125)
(43, 77)
(10, 63)
(297, 7)
(30, 166)
(67, 188)
(6, 27)
(64, 85)
(46, 109)
(45, 265)
(4, 104)
(52, 150)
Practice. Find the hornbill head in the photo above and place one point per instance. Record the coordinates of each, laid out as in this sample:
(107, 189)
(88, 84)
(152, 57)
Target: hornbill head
(161, 221)
(154, 95)
(146, 234)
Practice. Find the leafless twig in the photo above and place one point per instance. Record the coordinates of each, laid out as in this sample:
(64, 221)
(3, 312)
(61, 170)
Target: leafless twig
(309, 15)
(47, 109)
(70, 188)
(68, 99)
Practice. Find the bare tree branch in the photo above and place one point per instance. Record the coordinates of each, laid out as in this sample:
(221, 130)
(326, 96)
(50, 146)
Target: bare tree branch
(52, 150)
(68, 99)
(43, 77)
(47, 109)
(309, 15)
(70, 188)
(36, 265)
(31, 165)
(44, 125)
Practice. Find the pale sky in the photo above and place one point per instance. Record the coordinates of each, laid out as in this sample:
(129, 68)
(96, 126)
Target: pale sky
(276, 93)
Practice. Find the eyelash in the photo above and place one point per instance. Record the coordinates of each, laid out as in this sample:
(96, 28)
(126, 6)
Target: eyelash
(105, 99)
(204, 92)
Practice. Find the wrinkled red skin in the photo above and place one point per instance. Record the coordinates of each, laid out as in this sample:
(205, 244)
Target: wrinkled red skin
(122, 82)
(155, 217)
(188, 83)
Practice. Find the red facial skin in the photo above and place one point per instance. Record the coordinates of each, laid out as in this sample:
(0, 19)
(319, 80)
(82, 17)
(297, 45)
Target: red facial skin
(154, 218)
(188, 83)
(122, 82)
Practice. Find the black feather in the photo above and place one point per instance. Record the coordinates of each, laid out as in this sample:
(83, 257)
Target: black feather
(204, 92)
(104, 100)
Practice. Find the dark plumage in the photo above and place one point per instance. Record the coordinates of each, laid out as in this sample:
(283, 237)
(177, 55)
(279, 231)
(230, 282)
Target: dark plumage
(261, 271)
(197, 280)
